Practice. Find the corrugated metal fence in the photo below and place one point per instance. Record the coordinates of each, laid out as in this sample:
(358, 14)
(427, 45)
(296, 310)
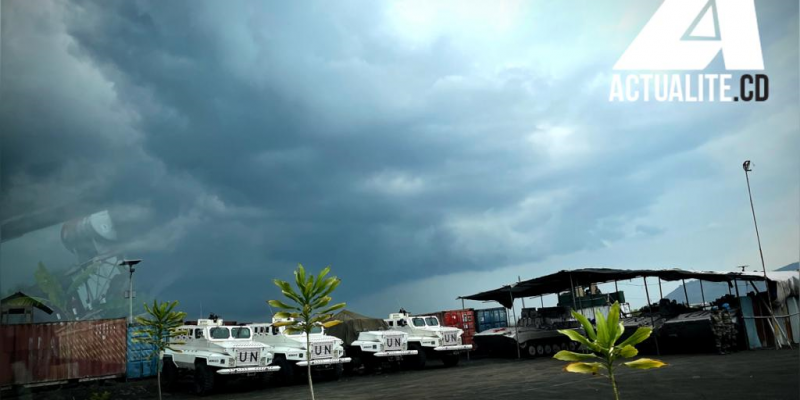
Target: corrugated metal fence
(39, 353)
(141, 364)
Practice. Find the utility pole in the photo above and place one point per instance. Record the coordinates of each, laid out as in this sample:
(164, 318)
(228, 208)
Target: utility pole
(131, 264)
(746, 167)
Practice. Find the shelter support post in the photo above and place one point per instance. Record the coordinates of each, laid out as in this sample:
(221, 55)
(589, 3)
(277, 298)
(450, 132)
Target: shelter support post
(650, 307)
(736, 285)
(572, 289)
(660, 291)
(702, 294)
(516, 323)
(541, 298)
(464, 308)
(685, 293)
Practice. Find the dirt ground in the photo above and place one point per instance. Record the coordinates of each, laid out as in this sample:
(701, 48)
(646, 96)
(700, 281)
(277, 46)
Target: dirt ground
(765, 374)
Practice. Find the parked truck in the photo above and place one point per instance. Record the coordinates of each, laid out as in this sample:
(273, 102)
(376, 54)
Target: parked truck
(369, 342)
(210, 350)
(289, 348)
(429, 339)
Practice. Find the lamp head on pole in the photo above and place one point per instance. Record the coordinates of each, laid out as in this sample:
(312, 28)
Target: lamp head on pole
(130, 264)
(746, 166)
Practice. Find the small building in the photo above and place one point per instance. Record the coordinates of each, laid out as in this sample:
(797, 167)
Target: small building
(20, 308)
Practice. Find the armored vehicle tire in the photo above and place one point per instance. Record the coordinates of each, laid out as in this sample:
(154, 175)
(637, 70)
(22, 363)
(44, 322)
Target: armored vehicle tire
(169, 374)
(286, 375)
(450, 360)
(530, 350)
(371, 364)
(203, 379)
(353, 365)
(418, 361)
(335, 373)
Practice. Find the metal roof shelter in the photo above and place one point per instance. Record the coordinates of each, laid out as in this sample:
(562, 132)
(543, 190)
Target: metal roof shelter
(22, 305)
(567, 279)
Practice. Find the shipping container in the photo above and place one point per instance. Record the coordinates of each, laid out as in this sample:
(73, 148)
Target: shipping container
(464, 320)
(142, 362)
(490, 318)
(62, 351)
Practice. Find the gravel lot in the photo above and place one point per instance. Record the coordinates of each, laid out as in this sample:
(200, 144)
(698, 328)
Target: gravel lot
(766, 374)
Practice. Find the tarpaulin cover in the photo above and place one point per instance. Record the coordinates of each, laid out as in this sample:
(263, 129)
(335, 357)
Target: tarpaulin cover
(564, 280)
(354, 323)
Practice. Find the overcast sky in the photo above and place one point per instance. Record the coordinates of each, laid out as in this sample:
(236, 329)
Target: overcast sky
(424, 149)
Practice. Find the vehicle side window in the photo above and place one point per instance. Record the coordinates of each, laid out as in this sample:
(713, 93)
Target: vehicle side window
(391, 323)
(220, 333)
(198, 333)
(418, 321)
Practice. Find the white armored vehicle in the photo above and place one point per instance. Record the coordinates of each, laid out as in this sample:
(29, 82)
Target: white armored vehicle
(369, 342)
(429, 338)
(210, 350)
(327, 353)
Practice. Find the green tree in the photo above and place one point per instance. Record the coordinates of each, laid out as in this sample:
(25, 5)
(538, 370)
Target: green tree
(603, 349)
(51, 286)
(161, 323)
(309, 306)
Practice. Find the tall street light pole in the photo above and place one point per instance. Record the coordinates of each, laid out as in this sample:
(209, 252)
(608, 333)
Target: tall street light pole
(131, 269)
(746, 167)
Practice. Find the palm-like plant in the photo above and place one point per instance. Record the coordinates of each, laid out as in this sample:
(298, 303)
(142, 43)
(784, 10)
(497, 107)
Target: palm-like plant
(310, 306)
(603, 348)
(162, 322)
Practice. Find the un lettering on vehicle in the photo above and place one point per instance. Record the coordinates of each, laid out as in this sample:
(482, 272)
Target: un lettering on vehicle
(248, 357)
(450, 338)
(394, 342)
(322, 350)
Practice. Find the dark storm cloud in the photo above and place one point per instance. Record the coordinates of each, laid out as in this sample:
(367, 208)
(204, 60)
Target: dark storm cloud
(232, 140)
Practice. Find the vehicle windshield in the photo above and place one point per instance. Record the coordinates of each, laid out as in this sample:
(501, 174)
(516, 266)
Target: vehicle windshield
(432, 321)
(240, 333)
(220, 333)
(314, 330)
(418, 321)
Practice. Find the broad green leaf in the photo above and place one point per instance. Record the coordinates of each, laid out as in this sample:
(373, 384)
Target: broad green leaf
(645, 363)
(577, 337)
(587, 326)
(300, 276)
(334, 308)
(322, 302)
(614, 328)
(641, 334)
(285, 323)
(603, 336)
(280, 304)
(292, 329)
(331, 323)
(565, 355)
(318, 285)
(628, 351)
(583, 368)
